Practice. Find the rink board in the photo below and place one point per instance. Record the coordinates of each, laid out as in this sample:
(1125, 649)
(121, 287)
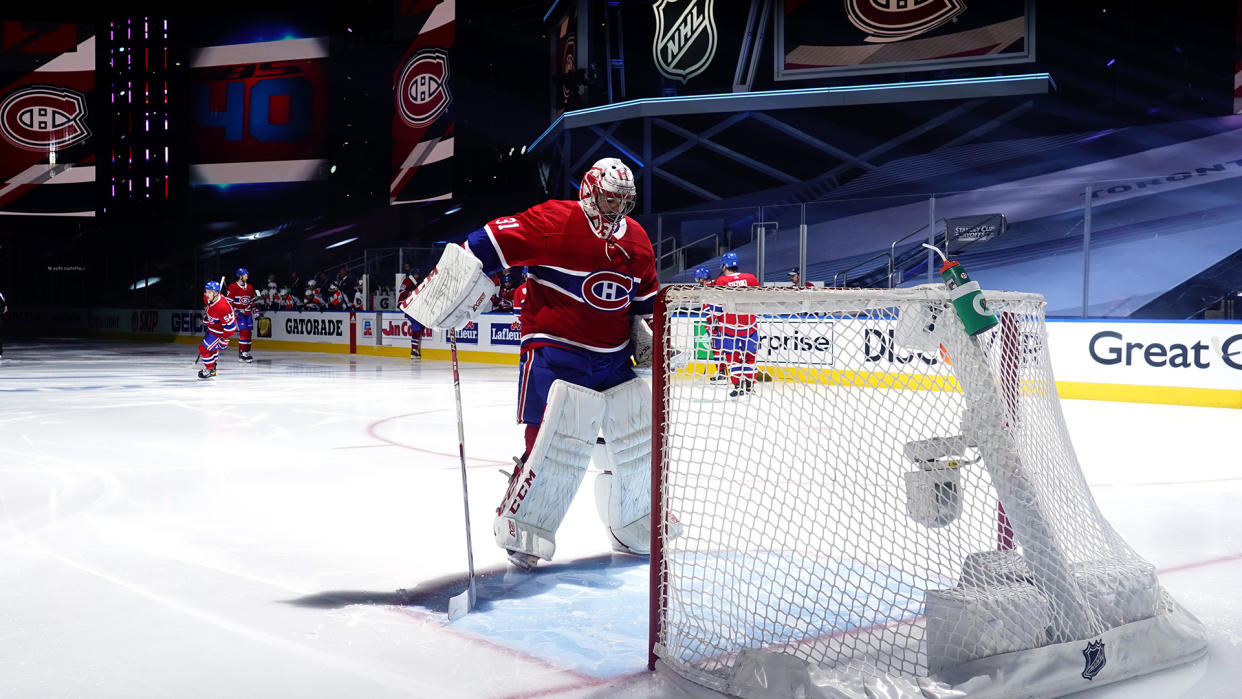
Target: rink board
(1168, 362)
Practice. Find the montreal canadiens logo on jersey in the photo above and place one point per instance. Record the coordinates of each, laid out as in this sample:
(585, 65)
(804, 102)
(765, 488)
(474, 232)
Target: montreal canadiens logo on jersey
(44, 117)
(422, 90)
(607, 291)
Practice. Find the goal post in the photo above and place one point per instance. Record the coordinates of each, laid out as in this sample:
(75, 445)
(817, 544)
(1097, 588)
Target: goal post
(895, 507)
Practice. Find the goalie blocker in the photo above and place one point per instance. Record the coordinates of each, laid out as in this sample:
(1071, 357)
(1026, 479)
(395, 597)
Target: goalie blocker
(453, 294)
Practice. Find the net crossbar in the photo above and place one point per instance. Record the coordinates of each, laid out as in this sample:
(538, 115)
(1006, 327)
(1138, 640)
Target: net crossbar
(865, 493)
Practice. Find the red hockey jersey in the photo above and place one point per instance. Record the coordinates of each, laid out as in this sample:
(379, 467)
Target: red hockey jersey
(242, 297)
(519, 298)
(735, 323)
(218, 318)
(580, 289)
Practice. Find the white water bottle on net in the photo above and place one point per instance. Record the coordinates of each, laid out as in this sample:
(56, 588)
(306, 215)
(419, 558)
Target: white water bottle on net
(894, 509)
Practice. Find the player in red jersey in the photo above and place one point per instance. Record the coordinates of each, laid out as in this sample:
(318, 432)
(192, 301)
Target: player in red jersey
(242, 297)
(739, 333)
(509, 282)
(408, 285)
(703, 277)
(591, 282)
(519, 298)
(218, 325)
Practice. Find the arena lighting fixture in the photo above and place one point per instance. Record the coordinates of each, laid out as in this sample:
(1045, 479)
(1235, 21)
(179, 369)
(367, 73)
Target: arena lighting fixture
(343, 242)
(144, 283)
(258, 235)
(767, 100)
(453, 210)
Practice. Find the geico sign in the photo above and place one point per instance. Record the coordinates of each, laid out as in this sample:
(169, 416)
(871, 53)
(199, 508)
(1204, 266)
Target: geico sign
(1109, 347)
(187, 322)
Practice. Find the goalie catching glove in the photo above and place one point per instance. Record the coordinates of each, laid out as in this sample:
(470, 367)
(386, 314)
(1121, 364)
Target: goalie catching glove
(453, 294)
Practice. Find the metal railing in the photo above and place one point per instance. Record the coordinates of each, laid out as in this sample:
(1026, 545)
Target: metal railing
(679, 253)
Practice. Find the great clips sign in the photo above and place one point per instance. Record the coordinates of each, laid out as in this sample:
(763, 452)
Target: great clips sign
(1188, 354)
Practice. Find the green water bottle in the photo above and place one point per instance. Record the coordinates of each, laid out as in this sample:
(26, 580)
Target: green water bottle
(967, 298)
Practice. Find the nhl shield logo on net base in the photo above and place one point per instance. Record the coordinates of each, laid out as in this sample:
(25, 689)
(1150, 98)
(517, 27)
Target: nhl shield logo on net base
(1094, 655)
(685, 37)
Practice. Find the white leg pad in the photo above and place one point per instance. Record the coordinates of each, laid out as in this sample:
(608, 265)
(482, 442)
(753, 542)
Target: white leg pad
(623, 491)
(542, 489)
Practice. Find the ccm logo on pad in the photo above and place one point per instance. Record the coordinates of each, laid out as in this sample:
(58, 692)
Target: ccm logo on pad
(607, 291)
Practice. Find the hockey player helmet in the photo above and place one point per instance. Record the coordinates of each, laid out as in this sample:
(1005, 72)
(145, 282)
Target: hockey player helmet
(701, 273)
(210, 291)
(242, 271)
(512, 278)
(607, 194)
(729, 260)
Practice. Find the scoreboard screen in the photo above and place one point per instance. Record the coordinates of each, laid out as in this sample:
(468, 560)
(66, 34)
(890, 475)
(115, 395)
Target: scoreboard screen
(47, 121)
(259, 121)
(819, 40)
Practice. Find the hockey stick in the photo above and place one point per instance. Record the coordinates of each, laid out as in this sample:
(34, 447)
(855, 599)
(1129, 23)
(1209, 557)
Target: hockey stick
(198, 357)
(462, 603)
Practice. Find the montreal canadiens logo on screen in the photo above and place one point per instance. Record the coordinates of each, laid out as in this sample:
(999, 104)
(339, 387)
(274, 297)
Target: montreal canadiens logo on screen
(44, 117)
(607, 291)
(422, 90)
(888, 21)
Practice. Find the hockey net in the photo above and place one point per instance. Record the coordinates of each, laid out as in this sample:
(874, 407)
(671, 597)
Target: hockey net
(895, 505)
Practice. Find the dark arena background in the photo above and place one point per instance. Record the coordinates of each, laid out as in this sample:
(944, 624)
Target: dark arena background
(191, 140)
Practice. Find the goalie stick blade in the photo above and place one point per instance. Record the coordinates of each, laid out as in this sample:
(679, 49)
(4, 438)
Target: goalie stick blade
(460, 605)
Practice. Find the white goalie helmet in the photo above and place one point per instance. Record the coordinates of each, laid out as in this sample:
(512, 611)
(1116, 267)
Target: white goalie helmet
(607, 194)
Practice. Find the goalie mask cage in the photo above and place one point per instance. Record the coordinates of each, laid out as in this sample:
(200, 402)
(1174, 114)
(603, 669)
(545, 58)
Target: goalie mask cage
(895, 509)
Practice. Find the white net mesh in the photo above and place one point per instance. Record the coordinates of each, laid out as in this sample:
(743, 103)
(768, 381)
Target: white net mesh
(893, 498)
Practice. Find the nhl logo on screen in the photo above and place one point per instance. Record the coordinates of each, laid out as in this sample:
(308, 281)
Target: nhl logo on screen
(886, 20)
(44, 117)
(685, 37)
(1094, 655)
(422, 90)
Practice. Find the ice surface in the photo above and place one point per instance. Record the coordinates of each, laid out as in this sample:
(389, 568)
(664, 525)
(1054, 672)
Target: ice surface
(294, 528)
